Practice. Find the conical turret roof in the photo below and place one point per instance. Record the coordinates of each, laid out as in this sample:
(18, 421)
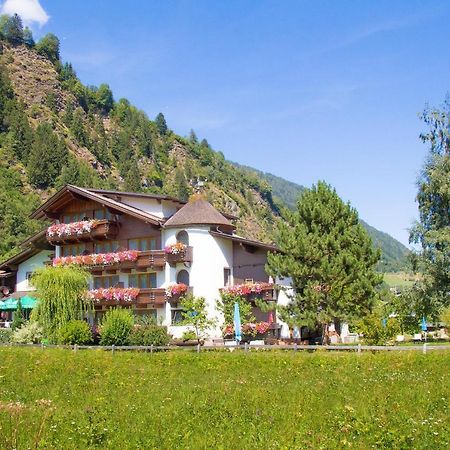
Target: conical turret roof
(198, 212)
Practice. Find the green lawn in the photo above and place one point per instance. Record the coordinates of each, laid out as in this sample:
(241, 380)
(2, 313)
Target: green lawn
(56, 398)
(399, 279)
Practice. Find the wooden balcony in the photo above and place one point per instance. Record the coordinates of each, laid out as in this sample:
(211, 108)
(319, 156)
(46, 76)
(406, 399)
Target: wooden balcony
(102, 230)
(269, 295)
(151, 259)
(183, 257)
(177, 297)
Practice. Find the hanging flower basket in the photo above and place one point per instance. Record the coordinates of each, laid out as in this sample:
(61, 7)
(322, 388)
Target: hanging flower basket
(114, 294)
(97, 259)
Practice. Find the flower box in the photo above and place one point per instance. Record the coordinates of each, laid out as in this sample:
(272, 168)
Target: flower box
(98, 259)
(82, 231)
(263, 290)
(176, 290)
(181, 256)
(113, 295)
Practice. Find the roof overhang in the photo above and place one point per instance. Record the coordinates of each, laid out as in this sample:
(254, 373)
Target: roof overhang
(244, 241)
(68, 193)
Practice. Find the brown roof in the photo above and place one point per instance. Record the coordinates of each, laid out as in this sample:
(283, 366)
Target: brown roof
(198, 212)
(245, 241)
(57, 200)
(107, 193)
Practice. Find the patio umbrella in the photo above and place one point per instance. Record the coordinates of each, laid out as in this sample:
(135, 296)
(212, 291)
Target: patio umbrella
(237, 323)
(424, 324)
(10, 304)
(28, 302)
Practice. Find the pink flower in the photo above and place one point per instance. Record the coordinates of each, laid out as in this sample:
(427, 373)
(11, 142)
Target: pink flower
(175, 249)
(176, 289)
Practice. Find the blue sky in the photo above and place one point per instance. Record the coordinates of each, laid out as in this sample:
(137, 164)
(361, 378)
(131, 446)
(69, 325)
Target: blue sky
(307, 90)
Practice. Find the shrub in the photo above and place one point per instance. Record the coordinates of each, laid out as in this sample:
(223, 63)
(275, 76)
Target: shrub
(116, 327)
(189, 336)
(149, 335)
(376, 330)
(18, 319)
(75, 332)
(30, 333)
(5, 335)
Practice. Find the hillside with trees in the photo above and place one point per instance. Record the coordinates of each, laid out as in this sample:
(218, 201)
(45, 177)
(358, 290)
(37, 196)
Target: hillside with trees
(54, 130)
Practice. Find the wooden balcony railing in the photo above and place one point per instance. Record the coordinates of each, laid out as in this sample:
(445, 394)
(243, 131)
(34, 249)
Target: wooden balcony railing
(101, 230)
(183, 257)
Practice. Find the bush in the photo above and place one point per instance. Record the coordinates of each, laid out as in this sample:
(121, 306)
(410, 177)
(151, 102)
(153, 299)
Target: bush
(149, 335)
(5, 335)
(116, 327)
(75, 332)
(376, 330)
(189, 336)
(30, 333)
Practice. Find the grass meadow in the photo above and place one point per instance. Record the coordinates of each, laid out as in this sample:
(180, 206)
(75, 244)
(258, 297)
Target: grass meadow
(57, 398)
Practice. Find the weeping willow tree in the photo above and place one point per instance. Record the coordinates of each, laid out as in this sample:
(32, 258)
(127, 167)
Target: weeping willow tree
(62, 296)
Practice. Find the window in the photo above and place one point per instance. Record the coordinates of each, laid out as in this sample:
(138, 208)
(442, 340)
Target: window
(106, 247)
(106, 282)
(183, 237)
(73, 250)
(145, 316)
(74, 217)
(101, 214)
(176, 314)
(142, 280)
(226, 276)
(28, 276)
(183, 277)
(143, 244)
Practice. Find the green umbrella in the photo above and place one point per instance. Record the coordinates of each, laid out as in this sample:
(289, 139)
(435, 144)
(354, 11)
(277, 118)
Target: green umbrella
(10, 304)
(28, 302)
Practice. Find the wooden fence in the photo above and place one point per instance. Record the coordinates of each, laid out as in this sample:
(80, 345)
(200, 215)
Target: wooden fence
(424, 348)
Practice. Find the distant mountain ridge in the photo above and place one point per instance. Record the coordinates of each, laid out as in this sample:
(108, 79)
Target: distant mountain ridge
(394, 253)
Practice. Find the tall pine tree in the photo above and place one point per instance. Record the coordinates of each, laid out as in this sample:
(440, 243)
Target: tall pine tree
(329, 258)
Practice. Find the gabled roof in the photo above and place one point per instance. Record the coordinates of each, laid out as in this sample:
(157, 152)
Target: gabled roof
(198, 212)
(107, 193)
(69, 192)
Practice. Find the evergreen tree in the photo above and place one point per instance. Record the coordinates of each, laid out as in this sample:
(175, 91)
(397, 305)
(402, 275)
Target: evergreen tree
(28, 39)
(48, 46)
(193, 137)
(18, 319)
(132, 178)
(104, 98)
(77, 128)
(21, 135)
(78, 173)
(144, 138)
(13, 30)
(432, 232)
(329, 258)
(181, 186)
(161, 124)
(47, 157)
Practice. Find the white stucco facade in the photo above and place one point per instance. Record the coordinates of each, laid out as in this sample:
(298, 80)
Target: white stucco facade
(27, 267)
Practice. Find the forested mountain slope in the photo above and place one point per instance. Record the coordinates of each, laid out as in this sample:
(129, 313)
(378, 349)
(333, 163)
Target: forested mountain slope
(54, 131)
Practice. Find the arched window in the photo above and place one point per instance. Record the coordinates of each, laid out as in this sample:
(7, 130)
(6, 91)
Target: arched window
(183, 277)
(183, 237)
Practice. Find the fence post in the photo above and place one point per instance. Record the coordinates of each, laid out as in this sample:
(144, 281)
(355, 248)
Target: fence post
(198, 348)
(151, 348)
(245, 346)
(295, 346)
(75, 348)
(424, 350)
(42, 345)
(112, 349)
(359, 349)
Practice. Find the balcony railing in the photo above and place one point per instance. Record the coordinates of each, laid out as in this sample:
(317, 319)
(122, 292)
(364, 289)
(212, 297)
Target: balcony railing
(150, 259)
(253, 290)
(184, 256)
(86, 230)
(134, 296)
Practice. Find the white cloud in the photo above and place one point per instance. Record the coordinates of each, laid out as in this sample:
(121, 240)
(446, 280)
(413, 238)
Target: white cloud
(30, 11)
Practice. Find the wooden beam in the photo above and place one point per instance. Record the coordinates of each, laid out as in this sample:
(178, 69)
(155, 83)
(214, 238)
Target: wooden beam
(52, 215)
